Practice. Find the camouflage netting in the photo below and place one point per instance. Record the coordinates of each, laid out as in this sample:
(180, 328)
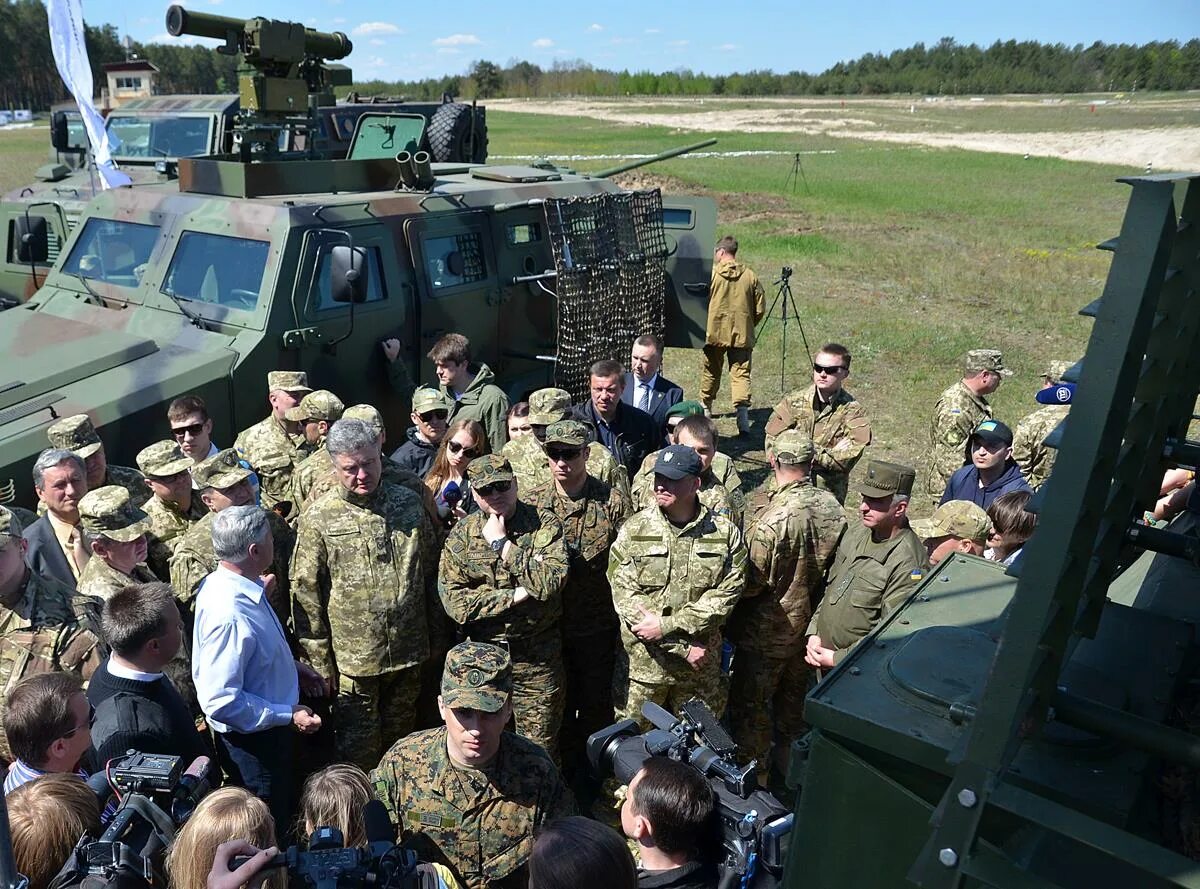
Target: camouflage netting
(610, 254)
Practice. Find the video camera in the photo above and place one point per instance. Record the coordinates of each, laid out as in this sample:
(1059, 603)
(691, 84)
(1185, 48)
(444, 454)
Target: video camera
(755, 826)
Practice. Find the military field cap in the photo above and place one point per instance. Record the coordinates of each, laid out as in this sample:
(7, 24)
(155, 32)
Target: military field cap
(548, 406)
(221, 470)
(1056, 370)
(76, 434)
(567, 432)
(884, 479)
(319, 405)
(10, 525)
(427, 398)
(489, 469)
(477, 676)
(1061, 393)
(985, 359)
(368, 413)
(993, 430)
(288, 381)
(685, 409)
(955, 518)
(794, 446)
(162, 460)
(110, 512)
(677, 461)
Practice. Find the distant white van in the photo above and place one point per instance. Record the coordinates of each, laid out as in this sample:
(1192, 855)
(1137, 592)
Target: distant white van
(6, 117)
(22, 115)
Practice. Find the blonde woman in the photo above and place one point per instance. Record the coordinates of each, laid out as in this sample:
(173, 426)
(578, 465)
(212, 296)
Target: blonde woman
(231, 813)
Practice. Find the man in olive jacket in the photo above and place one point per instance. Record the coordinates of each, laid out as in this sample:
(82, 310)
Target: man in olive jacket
(736, 303)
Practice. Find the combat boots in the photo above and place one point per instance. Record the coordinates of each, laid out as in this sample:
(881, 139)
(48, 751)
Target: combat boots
(743, 419)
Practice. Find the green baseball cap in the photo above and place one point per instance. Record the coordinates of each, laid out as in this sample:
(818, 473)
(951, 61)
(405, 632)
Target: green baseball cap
(319, 405)
(884, 479)
(108, 511)
(221, 470)
(568, 432)
(75, 433)
(955, 518)
(489, 469)
(368, 413)
(426, 398)
(477, 676)
(793, 446)
(163, 459)
(548, 406)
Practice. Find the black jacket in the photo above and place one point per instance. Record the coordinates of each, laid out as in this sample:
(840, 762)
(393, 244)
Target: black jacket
(415, 455)
(693, 875)
(630, 436)
(150, 717)
(663, 395)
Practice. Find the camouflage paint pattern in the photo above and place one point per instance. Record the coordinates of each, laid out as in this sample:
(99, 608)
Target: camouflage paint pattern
(955, 415)
(840, 430)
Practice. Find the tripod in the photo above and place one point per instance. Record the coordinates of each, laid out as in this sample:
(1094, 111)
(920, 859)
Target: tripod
(784, 295)
(796, 175)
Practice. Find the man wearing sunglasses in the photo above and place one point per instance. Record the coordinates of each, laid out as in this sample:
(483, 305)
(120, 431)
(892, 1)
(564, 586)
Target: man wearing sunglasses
(174, 506)
(192, 427)
(834, 419)
(430, 414)
(501, 579)
(48, 724)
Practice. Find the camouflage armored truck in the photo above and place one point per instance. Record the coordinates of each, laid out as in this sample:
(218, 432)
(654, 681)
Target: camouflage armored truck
(260, 260)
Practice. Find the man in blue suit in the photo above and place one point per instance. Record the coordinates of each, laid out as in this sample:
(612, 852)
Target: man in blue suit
(645, 387)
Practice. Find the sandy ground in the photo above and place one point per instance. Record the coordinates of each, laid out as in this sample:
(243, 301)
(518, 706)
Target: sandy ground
(1164, 148)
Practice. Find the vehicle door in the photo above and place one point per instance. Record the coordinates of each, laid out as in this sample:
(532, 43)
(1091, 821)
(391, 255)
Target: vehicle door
(690, 226)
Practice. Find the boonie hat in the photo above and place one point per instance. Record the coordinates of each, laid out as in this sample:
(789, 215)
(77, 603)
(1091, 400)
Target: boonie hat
(994, 430)
(477, 676)
(955, 518)
(568, 432)
(368, 413)
(489, 469)
(548, 406)
(162, 460)
(426, 398)
(793, 446)
(221, 470)
(110, 512)
(75, 433)
(1060, 393)
(10, 525)
(884, 479)
(288, 381)
(677, 461)
(319, 405)
(986, 359)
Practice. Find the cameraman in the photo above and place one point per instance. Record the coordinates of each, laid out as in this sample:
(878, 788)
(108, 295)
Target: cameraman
(47, 816)
(670, 812)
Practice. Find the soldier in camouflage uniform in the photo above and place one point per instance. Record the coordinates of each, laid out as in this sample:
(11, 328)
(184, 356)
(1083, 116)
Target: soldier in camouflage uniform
(8, 493)
(116, 530)
(528, 456)
(720, 484)
(222, 482)
(363, 566)
(676, 571)
(274, 446)
(790, 546)
(591, 511)
(834, 419)
(315, 413)
(44, 625)
(470, 795)
(958, 411)
(958, 526)
(174, 506)
(77, 434)
(878, 564)
(501, 579)
(1033, 457)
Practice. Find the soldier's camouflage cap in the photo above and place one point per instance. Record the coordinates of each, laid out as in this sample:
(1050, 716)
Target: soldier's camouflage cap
(685, 409)
(110, 512)
(288, 381)
(163, 459)
(993, 430)
(985, 359)
(548, 406)
(884, 479)
(477, 676)
(221, 470)
(10, 525)
(794, 446)
(1056, 370)
(76, 434)
(489, 469)
(677, 461)
(955, 518)
(426, 398)
(319, 405)
(368, 413)
(567, 432)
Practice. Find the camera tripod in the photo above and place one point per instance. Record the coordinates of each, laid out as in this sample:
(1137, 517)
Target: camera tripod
(784, 298)
(796, 175)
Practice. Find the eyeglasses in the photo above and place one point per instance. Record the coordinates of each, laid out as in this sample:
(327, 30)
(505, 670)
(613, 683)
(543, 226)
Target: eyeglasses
(192, 430)
(832, 369)
(79, 728)
(454, 447)
(494, 488)
(563, 454)
(430, 416)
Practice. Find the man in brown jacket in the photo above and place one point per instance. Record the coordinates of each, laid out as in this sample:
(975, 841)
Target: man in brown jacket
(736, 303)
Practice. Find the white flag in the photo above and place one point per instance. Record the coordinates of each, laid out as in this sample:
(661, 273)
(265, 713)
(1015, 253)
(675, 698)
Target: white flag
(70, 55)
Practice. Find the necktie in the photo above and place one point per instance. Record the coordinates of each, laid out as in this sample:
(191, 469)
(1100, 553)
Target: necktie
(78, 550)
(644, 400)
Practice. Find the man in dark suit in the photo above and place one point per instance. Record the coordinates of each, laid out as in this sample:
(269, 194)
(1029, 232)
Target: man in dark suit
(56, 546)
(645, 387)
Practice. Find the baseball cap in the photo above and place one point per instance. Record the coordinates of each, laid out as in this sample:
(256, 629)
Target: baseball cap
(1060, 393)
(884, 479)
(567, 432)
(110, 512)
(677, 461)
(793, 446)
(955, 518)
(162, 460)
(75, 433)
(489, 469)
(477, 676)
(994, 430)
(288, 381)
(548, 406)
(368, 413)
(319, 405)
(426, 398)
(685, 409)
(986, 359)
(10, 525)
(221, 470)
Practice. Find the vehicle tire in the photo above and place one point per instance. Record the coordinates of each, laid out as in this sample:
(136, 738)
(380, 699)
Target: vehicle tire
(450, 135)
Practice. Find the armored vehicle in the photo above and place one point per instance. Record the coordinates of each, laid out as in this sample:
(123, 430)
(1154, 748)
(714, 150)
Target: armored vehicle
(264, 259)
(1036, 726)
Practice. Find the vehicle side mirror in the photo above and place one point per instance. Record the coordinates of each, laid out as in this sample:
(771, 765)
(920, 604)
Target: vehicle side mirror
(348, 269)
(33, 239)
(60, 136)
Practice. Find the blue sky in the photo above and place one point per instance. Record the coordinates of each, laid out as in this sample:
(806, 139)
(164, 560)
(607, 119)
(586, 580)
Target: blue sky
(394, 40)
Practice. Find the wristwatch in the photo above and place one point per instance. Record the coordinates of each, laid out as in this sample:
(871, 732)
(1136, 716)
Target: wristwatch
(498, 545)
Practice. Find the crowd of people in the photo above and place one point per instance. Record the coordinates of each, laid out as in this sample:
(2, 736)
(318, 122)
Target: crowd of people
(441, 625)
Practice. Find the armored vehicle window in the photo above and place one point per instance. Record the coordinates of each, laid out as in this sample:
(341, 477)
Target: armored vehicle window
(324, 291)
(111, 251)
(217, 269)
(455, 259)
(524, 233)
(160, 136)
(677, 216)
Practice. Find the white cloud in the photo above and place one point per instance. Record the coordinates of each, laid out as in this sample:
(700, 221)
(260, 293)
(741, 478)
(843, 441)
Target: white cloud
(678, 43)
(376, 28)
(653, 30)
(458, 40)
(728, 47)
(542, 43)
(595, 27)
(449, 50)
(339, 21)
(375, 41)
(377, 62)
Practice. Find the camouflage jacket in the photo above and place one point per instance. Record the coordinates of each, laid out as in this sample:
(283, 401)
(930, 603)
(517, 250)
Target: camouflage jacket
(307, 492)
(101, 581)
(955, 417)
(476, 585)
(167, 525)
(273, 454)
(840, 430)
(867, 581)
(720, 487)
(590, 523)
(690, 576)
(360, 575)
(478, 822)
(790, 545)
(530, 466)
(1034, 458)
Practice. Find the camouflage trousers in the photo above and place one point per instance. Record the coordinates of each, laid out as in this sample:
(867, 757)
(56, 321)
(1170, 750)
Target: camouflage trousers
(766, 703)
(706, 683)
(589, 662)
(371, 713)
(739, 374)
(537, 698)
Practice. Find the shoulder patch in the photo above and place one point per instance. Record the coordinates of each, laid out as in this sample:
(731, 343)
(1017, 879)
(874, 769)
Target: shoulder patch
(916, 574)
(543, 537)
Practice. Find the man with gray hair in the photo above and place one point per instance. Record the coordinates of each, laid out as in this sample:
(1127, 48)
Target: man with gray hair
(56, 545)
(364, 569)
(246, 680)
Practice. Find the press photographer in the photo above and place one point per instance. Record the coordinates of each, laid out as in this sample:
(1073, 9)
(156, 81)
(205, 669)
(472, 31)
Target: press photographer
(47, 816)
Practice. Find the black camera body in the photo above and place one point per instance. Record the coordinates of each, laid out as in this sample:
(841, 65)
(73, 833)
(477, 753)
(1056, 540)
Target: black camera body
(755, 826)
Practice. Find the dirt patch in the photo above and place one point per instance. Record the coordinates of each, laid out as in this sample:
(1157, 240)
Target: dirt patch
(733, 208)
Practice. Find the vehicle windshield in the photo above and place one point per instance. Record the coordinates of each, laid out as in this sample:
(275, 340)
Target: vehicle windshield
(158, 137)
(111, 251)
(217, 269)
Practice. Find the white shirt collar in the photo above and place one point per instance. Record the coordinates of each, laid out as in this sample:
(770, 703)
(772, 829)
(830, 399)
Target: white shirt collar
(649, 384)
(122, 672)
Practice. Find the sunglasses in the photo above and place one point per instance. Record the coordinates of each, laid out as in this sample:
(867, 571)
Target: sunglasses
(430, 416)
(563, 454)
(832, 369)
(454, 447)
(193, 430)
(494, 488)
(79, 728)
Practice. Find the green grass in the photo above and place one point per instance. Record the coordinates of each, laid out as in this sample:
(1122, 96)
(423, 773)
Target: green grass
(22, 152)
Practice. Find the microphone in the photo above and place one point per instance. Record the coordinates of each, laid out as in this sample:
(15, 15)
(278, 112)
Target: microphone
(452, 493)
(192, 787)
(377, 824)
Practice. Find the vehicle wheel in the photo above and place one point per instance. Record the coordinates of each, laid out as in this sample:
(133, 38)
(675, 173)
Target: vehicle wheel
(450, 135)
